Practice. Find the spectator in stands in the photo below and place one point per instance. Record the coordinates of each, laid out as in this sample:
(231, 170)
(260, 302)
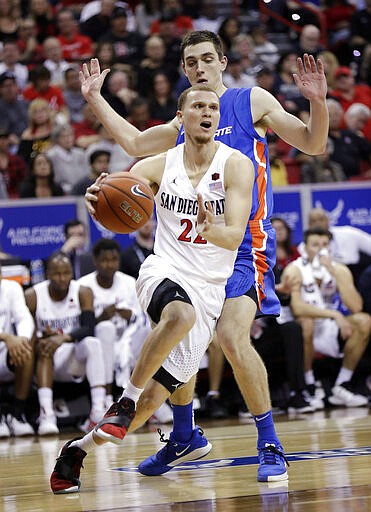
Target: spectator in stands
(309, 41)
(285, 89)
(234, 75)
(40, 180)
(265, 79)
(105, 53)
(316, 279)
(66, 348)
(40, 87)
(9, 20)
(119, 94)
(265, 51)
(14, 110)
(69, 161)
(128, 44)
(37, 136)
(120, 160)
(286, 251)
(93, 7)
(173, 9)
(356, 118)
(54, 61)
(347, 92)
(98, 24)
(75, 46)
(228, 30)
(12, 167)
(43, 12)
(30, 50)
(349, 245)
(338, 14)
(321, 168)
(145, 14)
(11, 63)
(349, 149)
(360, 24)
(139, 115)
(154, 61)
(277, 166)
(16, 356)
(87, 130)
(162, 102)
(166, 30)
(72, 94)
(99, 162)
(133, 256)
(331, 64)
(77, 247)
(209, 18)
(115, 306)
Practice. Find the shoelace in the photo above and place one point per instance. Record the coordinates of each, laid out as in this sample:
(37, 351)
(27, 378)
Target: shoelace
(270, 453)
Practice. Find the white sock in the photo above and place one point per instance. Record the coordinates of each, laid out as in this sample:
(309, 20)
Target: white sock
(132, 392)
(215, 394)
(344, 376)
(45, 396)
(87, 443)
(98, 395)
(309, 377)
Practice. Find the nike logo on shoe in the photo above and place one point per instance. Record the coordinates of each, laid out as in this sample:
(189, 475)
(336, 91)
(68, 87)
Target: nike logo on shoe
(178, 454)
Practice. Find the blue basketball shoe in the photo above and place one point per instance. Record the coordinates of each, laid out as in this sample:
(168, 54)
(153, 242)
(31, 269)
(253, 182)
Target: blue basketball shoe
(175, 453)
(272, 463)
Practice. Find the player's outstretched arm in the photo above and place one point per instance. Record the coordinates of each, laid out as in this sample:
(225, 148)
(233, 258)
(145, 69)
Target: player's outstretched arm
(309, 138)
(238, 184)
(152, 141)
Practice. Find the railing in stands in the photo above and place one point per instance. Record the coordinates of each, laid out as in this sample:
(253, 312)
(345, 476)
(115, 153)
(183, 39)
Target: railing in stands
(265, 10)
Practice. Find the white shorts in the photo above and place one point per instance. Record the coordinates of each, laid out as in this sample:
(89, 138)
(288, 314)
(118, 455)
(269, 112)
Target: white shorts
(5, 374)
(69, 364)
(207, 299)
(325, 337)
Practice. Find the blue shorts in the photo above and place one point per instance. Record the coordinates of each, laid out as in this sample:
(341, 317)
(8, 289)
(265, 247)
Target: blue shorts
(253, 267)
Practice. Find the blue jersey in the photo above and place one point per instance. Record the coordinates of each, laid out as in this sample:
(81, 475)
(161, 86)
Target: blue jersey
(256, 255)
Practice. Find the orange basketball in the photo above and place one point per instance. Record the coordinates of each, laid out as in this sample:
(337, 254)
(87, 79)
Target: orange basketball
(125, 203)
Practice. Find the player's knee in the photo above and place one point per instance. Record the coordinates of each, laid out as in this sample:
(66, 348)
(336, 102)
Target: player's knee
(105, 330)
(362, 322)
(178, 316)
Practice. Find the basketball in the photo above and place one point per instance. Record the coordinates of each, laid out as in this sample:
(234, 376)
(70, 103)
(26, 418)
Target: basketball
(125, 203)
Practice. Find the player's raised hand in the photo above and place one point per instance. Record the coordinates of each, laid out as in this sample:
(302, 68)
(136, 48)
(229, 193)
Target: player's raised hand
(92, 79)
(91, 193)
(204, 216)
(310, 78)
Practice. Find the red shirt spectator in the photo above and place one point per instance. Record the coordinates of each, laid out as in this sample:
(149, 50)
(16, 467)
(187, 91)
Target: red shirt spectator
(75, 46)
(347, 92)
(40, 88)
(12, 167)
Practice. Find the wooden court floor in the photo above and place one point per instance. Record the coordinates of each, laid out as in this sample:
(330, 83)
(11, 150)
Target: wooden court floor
(330, 471)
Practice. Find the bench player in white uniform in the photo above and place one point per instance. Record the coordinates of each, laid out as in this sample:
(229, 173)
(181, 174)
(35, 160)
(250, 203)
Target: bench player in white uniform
(182, 286)
(16, 355)
(316, 279)
(66, 349)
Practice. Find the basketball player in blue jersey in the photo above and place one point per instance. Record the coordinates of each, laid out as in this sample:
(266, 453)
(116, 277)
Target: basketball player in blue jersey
(246, 115)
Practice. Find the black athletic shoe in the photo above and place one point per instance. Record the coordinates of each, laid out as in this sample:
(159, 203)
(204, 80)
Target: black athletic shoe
(66, 473)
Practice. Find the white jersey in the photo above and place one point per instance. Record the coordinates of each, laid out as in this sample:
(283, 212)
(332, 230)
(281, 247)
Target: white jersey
(176, 241)
(14, 311)
(122, 293)
(62, 315)
(319, 295)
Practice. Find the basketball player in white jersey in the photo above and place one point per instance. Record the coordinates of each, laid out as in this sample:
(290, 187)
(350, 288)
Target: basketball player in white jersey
(316, 280)
(16, 356)
(200, 187)
(66, 349)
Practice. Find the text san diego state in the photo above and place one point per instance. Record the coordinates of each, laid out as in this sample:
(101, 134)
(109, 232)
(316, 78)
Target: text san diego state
(188, 206)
